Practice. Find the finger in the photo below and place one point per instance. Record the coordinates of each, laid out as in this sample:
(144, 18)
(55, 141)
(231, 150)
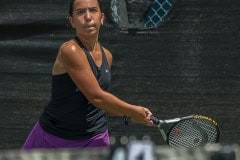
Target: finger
(148, 115)
(150, 123)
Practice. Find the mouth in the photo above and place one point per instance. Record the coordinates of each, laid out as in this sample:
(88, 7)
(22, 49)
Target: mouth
(90, 26)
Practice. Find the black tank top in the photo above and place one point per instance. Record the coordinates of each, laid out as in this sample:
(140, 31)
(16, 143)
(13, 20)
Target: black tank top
(69, 114)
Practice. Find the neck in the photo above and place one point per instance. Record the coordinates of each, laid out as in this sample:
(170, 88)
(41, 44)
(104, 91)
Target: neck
(90, 43)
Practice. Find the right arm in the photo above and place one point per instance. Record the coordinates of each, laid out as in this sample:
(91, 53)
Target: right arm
(76, 65)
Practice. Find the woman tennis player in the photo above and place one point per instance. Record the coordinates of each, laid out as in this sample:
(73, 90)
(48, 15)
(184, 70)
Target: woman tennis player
(75, 115)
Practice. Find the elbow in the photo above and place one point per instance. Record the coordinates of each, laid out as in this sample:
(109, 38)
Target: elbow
(97, 98)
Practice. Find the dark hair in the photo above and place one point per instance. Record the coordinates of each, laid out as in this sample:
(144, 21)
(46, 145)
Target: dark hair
(71, 6)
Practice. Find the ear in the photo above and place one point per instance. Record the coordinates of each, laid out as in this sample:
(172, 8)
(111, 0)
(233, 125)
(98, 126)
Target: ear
(70, 19)
(102, 18)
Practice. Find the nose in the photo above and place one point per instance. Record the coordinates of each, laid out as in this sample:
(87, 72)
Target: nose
(88, 16)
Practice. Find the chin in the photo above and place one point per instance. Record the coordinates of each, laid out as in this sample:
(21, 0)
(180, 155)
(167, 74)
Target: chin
(90, 33)
(92, 30)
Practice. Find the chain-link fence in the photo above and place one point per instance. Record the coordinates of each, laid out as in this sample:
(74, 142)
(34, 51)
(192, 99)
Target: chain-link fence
(157, 12)
(140, 15)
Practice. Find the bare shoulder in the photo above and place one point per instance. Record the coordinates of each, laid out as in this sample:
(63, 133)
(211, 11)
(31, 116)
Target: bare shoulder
(69, 47)
(108, 55)
(72, 50)
(64, 53)
(71, 54)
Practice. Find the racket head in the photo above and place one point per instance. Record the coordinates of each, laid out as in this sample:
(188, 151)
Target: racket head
(193, 131)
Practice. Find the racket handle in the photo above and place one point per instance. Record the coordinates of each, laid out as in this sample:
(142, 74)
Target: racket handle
(154, 119)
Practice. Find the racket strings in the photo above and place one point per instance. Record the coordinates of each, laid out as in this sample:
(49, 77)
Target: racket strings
(210, 129)
(191, 133)
(187, 137)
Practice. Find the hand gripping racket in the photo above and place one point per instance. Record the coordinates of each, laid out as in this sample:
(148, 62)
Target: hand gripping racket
(188, 132)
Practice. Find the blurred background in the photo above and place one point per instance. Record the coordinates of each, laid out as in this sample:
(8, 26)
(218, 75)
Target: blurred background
(184, 62)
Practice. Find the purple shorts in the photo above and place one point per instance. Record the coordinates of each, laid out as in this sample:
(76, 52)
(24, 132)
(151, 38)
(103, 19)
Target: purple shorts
(38, 138)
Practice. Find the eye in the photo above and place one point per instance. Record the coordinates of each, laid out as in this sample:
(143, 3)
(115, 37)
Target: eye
(80, 12)
(93, 10)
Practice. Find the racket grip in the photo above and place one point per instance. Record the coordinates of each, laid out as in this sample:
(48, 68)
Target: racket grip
(154, 119)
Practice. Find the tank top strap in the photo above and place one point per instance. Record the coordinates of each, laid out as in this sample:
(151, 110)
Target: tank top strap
(104, 58)
(102, 73)
(89, 57)
(84, 48)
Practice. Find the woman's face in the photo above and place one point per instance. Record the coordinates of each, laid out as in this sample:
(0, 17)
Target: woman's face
(87, 17)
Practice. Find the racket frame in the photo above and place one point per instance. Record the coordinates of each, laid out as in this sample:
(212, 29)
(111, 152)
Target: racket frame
(160, 124)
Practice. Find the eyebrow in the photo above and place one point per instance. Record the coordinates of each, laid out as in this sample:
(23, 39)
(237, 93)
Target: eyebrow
(86, 8)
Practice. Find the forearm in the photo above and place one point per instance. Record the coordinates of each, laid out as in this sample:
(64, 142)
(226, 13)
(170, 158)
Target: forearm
(116, 106)
(113, 105)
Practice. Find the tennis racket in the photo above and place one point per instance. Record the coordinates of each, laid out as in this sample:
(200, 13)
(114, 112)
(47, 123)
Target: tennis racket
(188, 132)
